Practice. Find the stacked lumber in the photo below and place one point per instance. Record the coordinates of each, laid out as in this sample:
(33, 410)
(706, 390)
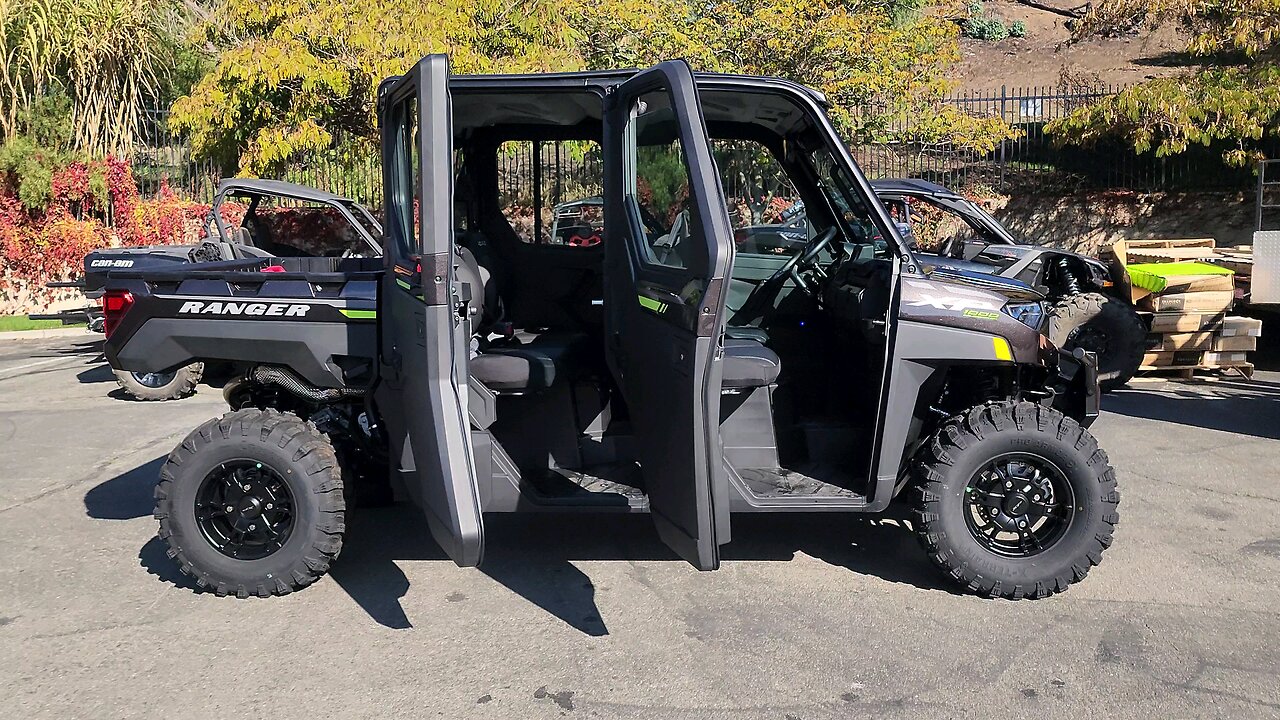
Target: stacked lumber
(1185, 290)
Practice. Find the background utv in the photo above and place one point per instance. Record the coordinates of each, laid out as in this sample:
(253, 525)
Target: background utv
(651, 372)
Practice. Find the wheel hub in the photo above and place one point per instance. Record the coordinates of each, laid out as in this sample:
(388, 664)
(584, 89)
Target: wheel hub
(1016, 504)
(153, 379)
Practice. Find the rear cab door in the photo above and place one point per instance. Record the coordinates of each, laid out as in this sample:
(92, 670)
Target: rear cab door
(424, 337)
(668, 252)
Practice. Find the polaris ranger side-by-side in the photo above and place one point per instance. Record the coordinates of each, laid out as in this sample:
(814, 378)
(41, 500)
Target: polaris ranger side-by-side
(650, 372)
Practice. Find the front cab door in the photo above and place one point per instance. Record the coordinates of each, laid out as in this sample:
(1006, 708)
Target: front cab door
(668, 252)
(424, 338)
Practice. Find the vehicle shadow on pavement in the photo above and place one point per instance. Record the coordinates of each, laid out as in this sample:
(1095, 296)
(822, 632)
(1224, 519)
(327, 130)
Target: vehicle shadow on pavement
(96, 374)
(125, 496)
(534, 555)
(1236, 406)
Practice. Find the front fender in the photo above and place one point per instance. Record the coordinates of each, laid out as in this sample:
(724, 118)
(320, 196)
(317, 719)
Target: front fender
(1075, 389)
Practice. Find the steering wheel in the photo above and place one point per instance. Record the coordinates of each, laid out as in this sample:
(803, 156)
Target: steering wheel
(803, 260)
(765, 291)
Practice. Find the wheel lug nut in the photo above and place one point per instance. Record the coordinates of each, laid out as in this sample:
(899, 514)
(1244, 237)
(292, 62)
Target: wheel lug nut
(255, 527)
(1036, 498)
(269, 506)
(1021, 524)
(230, 509)
(1008, 484)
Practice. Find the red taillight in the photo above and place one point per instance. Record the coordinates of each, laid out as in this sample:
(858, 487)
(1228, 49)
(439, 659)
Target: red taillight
(115, 303)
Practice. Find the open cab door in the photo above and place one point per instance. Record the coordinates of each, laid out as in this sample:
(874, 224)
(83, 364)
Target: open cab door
(668, 253)
(424, 339)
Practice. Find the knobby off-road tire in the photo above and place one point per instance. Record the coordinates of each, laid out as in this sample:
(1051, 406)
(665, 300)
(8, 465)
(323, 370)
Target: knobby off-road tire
(153, 387)
(1105, 325)
(952, 467)
(285, 462)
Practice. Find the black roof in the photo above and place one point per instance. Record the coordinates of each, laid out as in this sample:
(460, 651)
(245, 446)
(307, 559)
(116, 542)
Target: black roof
(255, 186)
(609, 78)
(911, 186)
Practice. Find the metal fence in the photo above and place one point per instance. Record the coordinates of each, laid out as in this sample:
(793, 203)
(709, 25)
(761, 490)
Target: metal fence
(1033, 162)
(1028, 163)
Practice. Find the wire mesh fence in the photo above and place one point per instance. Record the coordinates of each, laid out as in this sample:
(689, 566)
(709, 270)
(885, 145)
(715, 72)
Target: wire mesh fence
(1030, 162)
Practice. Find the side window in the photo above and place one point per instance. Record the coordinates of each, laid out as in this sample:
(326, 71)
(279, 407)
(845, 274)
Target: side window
(843, 196)
(765, 209)
(403, 173)
(657, 187)
(551, 191)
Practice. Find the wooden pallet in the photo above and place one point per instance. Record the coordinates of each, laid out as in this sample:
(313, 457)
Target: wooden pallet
(1161, 373)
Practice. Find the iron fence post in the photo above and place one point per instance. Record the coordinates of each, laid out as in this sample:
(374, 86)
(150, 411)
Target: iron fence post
(1004, 117)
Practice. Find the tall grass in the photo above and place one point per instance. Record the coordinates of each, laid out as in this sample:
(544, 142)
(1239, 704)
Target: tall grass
(107, 56)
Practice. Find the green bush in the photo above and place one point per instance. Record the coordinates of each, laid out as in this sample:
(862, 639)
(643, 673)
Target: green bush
(981, 25)
(990, 29)
(30, 169)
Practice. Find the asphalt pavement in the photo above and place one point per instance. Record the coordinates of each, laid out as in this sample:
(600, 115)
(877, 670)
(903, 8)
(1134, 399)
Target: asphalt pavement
(581, 616)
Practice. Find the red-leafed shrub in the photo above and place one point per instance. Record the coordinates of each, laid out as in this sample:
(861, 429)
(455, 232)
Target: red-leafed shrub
(92, 205)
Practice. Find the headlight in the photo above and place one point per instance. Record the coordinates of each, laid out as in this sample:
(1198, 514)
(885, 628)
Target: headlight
(1030, 314)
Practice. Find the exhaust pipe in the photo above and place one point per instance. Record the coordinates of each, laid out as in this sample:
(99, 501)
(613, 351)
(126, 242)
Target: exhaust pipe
(291, 382)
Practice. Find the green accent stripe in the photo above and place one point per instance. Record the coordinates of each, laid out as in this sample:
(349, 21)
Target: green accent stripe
(361, 314)
(403, 284)
(655, 305)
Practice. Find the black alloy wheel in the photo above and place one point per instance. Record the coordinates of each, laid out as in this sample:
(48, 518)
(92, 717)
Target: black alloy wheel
(244, 509)
(1019, 505)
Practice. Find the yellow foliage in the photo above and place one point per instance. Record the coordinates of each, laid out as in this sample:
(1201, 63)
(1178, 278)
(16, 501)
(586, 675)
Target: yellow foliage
(1231, 96)
(296, 77)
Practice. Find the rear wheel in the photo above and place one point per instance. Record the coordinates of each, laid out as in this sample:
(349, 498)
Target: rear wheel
(251, 504)
(161, 386)
(1103, 325)
(1014, 500)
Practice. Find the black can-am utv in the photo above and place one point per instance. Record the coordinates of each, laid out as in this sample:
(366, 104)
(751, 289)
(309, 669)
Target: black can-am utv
(280, 219)
(656, 371)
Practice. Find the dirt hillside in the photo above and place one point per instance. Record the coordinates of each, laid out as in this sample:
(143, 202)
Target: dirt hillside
(1037, 59)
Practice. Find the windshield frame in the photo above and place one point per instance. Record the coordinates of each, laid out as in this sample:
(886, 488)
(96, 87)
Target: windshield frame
(822, 127)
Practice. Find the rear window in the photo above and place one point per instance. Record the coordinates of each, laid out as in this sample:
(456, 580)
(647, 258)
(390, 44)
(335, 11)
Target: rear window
(550, 191)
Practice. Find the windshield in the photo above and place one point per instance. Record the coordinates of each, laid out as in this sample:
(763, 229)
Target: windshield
(363, 217)
(846, 202)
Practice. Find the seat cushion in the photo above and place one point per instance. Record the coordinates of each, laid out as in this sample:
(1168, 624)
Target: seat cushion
(535, 364)
(748, 364)
(746, 332)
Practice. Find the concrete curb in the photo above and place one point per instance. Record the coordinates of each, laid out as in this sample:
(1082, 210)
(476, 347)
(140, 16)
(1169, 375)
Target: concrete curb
(49, 333)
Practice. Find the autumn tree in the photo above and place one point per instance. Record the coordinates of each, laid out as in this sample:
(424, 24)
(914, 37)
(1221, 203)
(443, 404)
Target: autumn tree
(1230, 96)
(297, 77)
(293, 78)
(874, 60)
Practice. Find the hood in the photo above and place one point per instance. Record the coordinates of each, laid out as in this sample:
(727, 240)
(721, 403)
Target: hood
(1012, 289)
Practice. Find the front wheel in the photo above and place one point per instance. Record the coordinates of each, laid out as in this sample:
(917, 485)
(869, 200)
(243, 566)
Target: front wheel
(1014, 500)
(251, 504)
(1103, 325)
